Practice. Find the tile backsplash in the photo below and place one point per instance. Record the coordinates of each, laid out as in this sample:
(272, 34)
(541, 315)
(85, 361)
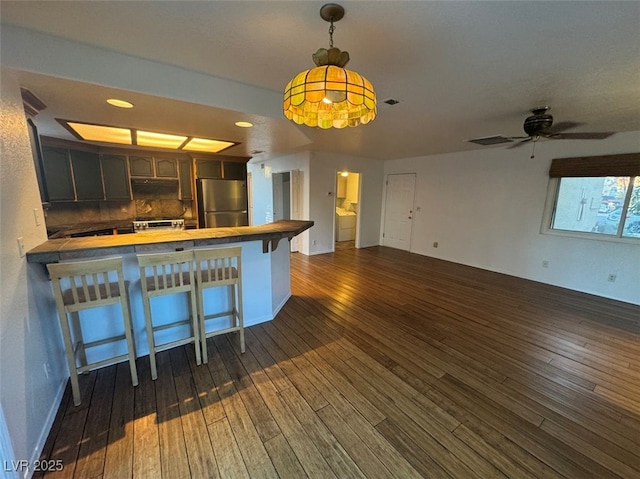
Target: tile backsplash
(66, 214)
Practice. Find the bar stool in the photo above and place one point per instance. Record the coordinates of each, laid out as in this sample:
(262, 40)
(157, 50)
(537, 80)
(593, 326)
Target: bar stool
(83, 285)
(216, 267)
(162, 274)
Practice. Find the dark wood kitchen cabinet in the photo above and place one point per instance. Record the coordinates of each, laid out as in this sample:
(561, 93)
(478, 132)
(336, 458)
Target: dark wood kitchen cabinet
(208, 168)
(87, 175)
(141, 166)
(153, 167)
(57, 173)
(186, 189)
(234, 170)
(166, 167)
(115, 177)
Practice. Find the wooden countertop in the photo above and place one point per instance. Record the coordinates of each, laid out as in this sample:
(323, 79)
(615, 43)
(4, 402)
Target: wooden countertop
(54, 250)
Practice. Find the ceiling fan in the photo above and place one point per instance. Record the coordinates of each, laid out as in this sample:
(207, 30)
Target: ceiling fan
(540, 125)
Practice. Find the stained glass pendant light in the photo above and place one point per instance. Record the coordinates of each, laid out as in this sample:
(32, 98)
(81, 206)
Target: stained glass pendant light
(330, 96)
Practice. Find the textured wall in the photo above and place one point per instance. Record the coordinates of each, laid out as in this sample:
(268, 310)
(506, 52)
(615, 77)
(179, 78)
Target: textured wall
(29, 333)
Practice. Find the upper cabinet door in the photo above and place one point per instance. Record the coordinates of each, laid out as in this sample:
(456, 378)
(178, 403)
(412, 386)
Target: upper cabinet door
(57, 173)
(234, 170)
(115, 177)
(186, 190)
(208, 169)
(87, 175)
(166, 168)
(141, 166)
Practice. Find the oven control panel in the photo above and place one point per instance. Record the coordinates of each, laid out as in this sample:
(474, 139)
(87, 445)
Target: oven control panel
(142, 226)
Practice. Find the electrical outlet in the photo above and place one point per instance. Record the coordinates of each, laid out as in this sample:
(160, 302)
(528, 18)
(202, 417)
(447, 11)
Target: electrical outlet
(611, 278)
(435, 244)
(545, 263)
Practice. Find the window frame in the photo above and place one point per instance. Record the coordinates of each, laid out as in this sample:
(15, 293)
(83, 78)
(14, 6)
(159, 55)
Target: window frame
(582, 168)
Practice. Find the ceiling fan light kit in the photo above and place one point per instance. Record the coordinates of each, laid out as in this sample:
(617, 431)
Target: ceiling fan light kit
(329, 95)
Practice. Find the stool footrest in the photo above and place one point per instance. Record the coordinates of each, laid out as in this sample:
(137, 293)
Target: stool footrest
(162, 327)
(233, 312)
(104, 362)
(173, 344)
(100, 342)
(222, 331)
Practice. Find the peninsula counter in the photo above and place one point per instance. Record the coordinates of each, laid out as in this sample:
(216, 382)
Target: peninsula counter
(266, 279)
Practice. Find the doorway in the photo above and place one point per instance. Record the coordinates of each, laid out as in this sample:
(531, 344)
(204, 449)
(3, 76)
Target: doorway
(287, 199)
(398, 212)
(347, 209)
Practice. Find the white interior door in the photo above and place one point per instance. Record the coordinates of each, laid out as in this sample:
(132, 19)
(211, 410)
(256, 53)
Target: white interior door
(398, 215)
(278, 196)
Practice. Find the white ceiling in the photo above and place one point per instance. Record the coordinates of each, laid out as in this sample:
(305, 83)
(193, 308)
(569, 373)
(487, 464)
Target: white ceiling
(459, 69)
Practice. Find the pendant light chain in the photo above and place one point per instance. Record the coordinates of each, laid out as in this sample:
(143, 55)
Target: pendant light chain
(331, 30)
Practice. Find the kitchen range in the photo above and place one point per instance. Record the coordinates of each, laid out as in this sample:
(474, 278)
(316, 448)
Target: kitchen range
(148, 226)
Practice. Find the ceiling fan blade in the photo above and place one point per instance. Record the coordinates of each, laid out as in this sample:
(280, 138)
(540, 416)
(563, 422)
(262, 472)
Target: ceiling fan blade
(592, 135)
(520, 143)
(561, 126)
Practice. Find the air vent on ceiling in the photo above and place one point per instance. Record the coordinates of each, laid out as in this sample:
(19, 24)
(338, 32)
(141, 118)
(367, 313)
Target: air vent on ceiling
(490, 140)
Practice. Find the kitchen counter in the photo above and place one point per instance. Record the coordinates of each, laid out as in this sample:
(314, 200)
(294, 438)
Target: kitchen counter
(266, 275)
(55, 250)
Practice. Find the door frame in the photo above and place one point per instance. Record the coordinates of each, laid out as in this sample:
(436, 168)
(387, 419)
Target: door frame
(412, 211)
(335, 204)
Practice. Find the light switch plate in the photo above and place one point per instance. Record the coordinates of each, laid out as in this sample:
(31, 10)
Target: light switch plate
(21, 247)
(36, 215)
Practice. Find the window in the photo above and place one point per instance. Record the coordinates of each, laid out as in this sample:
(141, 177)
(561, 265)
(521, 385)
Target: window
(595, 196)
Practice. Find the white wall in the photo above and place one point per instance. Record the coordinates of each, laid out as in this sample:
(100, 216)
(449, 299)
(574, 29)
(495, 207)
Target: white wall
(324, 168)
(29, 331)
(318, 192)
(262, 189)
(485, 209)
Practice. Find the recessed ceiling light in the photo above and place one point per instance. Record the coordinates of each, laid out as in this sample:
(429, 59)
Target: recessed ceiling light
(244, 124)
(119, 103)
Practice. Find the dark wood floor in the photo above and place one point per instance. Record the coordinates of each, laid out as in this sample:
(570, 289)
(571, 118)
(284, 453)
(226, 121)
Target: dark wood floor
(382, 364)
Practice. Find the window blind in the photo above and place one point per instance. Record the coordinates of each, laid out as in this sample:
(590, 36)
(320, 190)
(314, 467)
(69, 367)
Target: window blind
(589, 166)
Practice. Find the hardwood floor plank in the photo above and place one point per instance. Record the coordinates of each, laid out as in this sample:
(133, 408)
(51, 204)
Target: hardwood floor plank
(226, 450)
(118, 461)
(260, 414)
(146, 440)
(208, 396)
(67, 443)
(366, 460)
(283, 373)
(174, 462)
(284, 459)
(300, 444)
(251, 447)
(419, 459)
(91, 457)
(202, 462)
(333, 386)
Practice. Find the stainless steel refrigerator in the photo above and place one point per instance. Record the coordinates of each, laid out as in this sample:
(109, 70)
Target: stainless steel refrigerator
(222, 203)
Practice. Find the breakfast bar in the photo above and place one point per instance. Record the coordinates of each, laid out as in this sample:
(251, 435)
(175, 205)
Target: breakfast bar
(265, 263)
